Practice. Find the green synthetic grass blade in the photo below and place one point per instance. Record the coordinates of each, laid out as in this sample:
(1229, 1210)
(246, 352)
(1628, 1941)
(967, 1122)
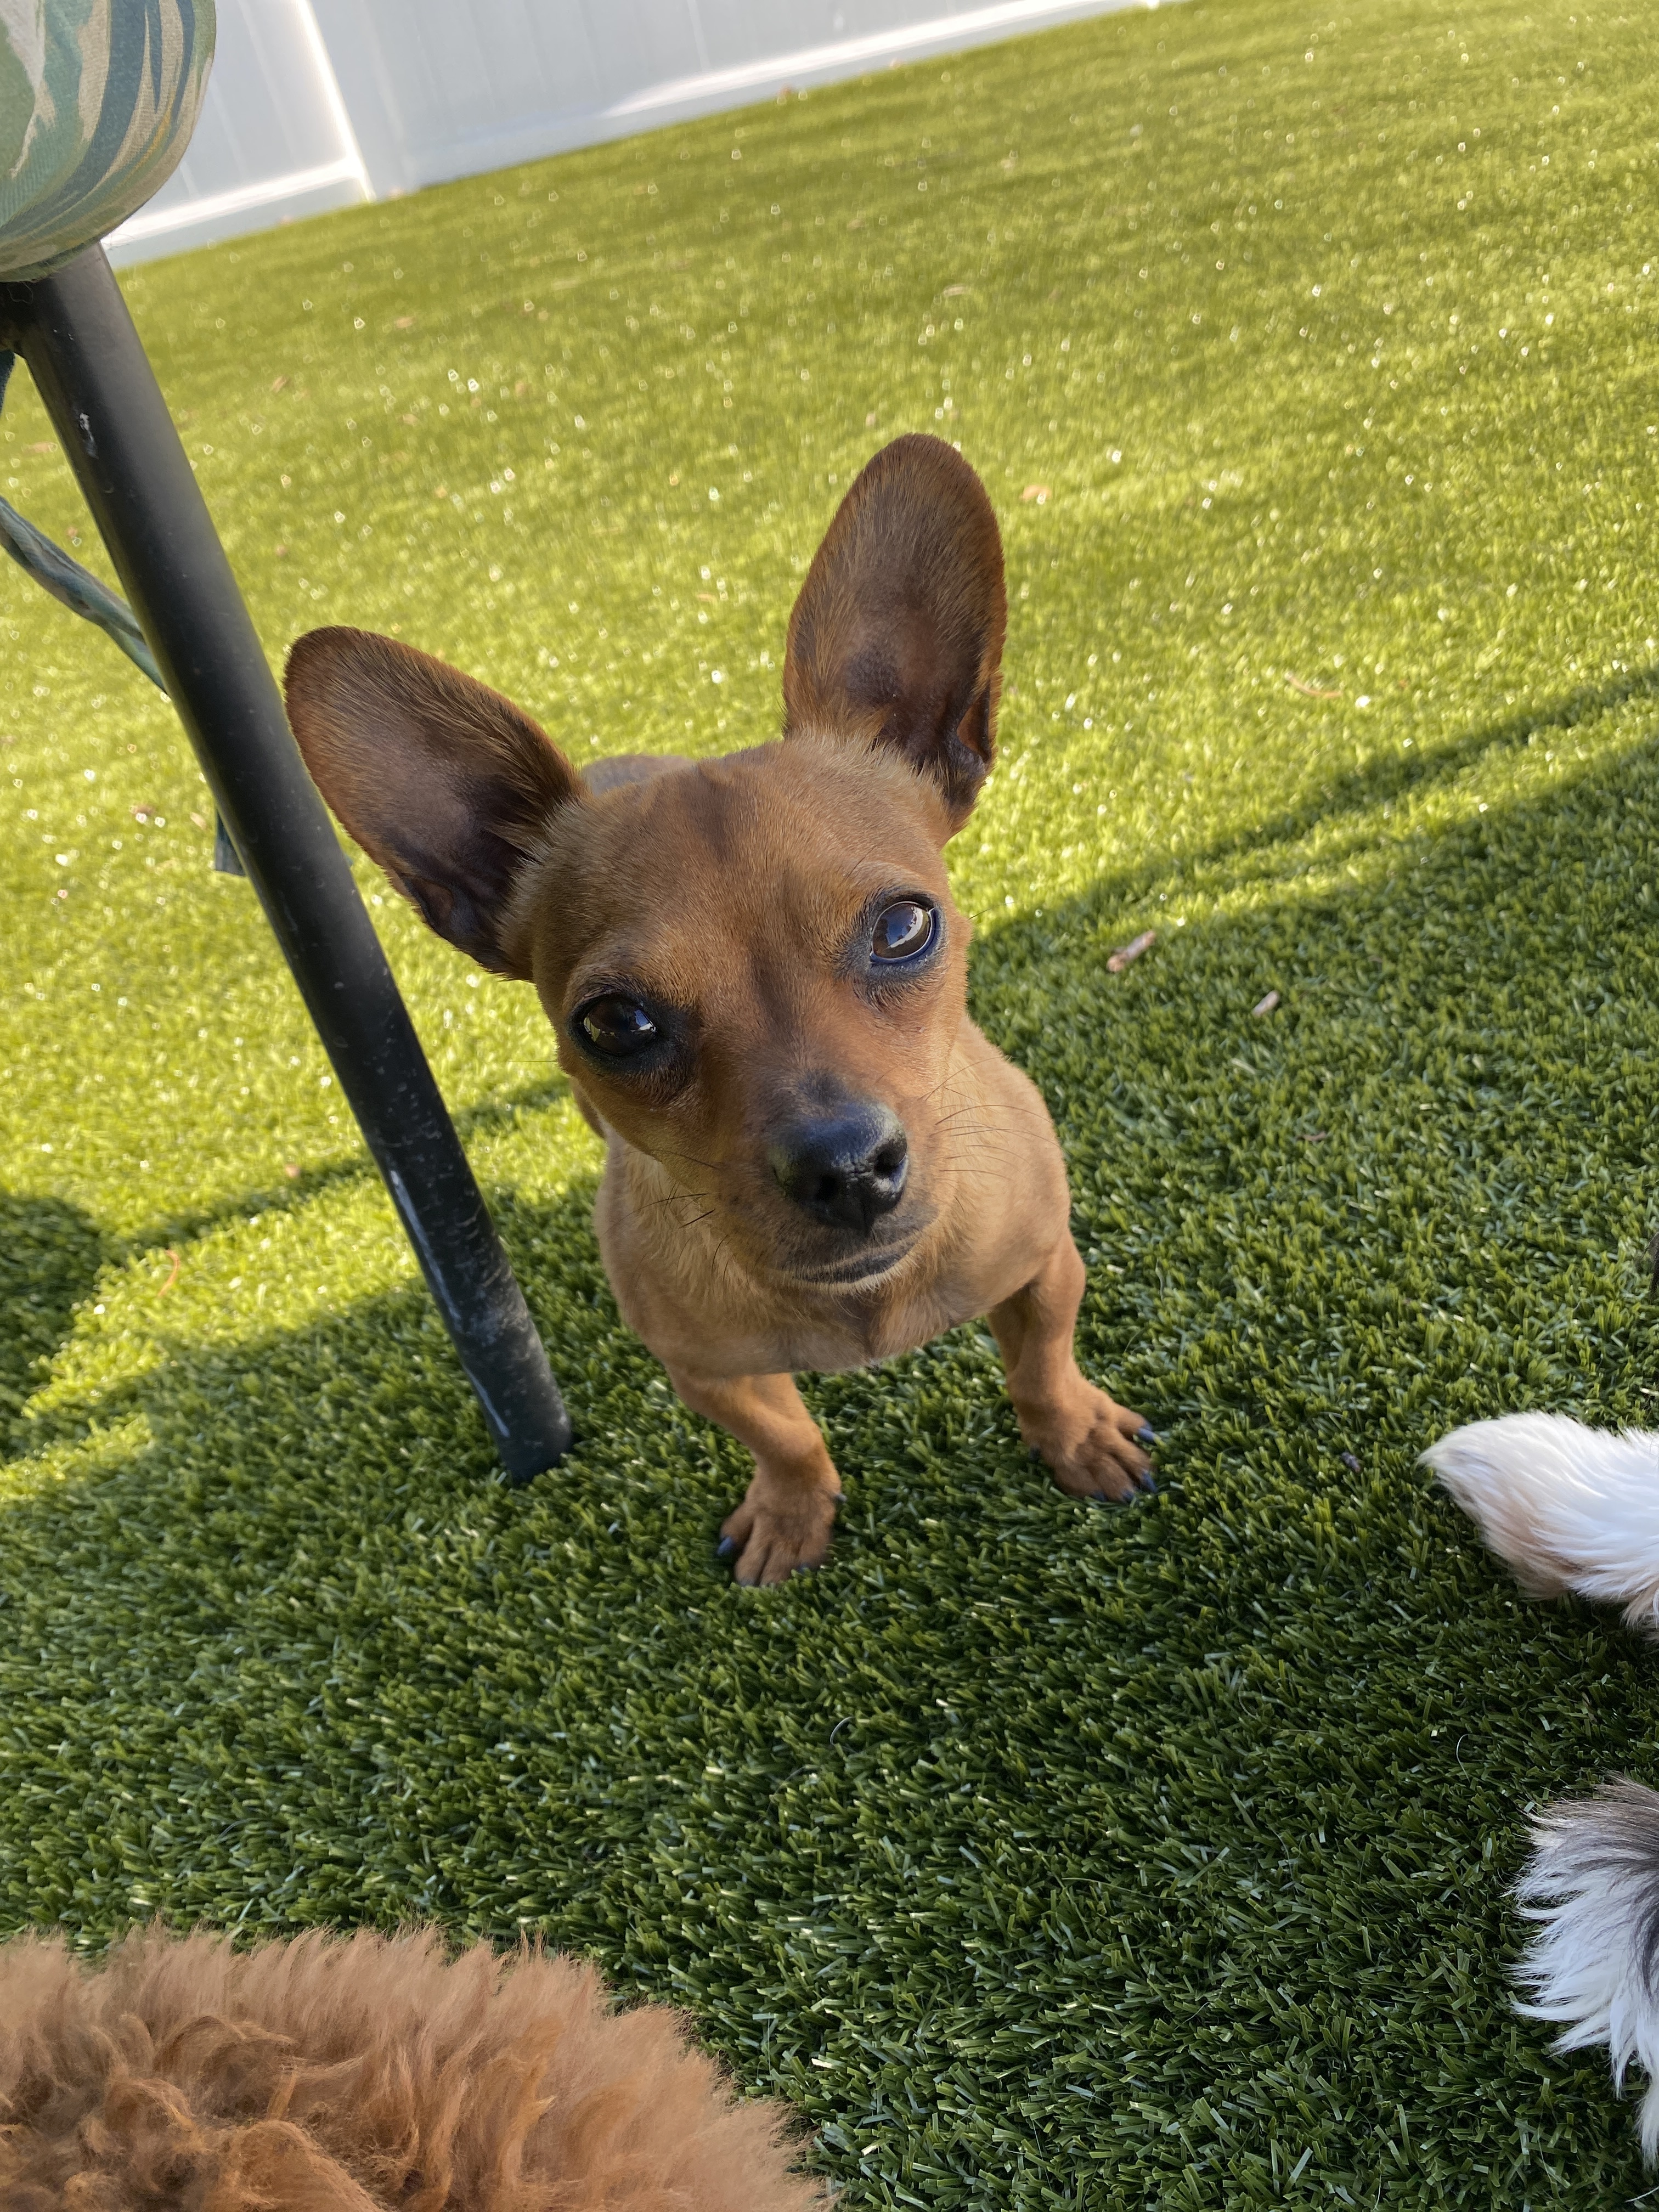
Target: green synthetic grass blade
(1045, 1856)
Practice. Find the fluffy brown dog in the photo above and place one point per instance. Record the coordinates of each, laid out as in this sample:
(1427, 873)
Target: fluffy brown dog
(331, 2076)
(758, 982)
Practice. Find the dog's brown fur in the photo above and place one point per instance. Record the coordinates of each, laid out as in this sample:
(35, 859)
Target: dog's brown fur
(344, 2075)
(737, 894)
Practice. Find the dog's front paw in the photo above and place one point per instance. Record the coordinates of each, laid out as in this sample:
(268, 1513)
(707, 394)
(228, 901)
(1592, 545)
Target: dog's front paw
(1093, 1445)
(780, 1527)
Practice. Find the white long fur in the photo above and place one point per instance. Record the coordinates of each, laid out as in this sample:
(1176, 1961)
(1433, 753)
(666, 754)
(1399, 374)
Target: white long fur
(1568, 1508)
(1592, 1884)
(1578, 1508)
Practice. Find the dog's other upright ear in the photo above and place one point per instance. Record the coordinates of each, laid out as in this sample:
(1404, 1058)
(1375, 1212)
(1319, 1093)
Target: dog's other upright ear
(896, 636)
(440, 779)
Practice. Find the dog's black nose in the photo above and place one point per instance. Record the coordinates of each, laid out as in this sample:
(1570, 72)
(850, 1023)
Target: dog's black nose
(846, 1168)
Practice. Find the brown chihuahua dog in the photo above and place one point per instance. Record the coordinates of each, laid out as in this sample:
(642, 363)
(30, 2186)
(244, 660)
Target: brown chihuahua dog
(758, 982)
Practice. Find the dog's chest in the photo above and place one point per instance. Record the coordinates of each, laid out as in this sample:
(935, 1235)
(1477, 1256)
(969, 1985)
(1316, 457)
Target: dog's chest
(846, 1330)
(784, 1331)
(718, 1319)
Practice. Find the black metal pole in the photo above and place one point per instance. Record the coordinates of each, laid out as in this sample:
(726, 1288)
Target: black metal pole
(74, 330)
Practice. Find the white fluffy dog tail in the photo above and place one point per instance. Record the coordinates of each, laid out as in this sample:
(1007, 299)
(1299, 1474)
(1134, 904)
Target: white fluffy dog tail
(1592, 1884)
(1568, 1508)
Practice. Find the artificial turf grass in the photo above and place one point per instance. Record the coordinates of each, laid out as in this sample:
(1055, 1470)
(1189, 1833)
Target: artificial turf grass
(1041, 1856)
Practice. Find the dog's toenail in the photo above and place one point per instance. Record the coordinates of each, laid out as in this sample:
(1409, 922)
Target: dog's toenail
(725, 1547)
(1146, 1481)
(1146, 1434)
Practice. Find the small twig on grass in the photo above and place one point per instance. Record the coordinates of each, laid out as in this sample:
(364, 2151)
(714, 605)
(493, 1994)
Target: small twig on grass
(1118, 961)
(174, 1277)
(1266, 1005)
(1308, 690)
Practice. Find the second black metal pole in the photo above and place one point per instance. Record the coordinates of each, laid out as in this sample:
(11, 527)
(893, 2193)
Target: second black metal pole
(74, 330)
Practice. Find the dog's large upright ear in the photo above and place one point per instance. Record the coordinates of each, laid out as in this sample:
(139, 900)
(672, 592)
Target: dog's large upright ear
(896, 636)
(440, 779)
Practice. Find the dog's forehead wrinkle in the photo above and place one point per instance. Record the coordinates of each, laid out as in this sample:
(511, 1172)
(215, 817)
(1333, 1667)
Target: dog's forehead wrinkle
(677, 824)
(777, 822)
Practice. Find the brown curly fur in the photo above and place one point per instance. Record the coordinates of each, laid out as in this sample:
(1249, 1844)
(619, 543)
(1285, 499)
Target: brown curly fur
(348, 2074)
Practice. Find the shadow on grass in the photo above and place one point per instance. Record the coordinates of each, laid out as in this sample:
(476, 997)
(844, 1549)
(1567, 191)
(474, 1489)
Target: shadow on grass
(483, 1118)
(50, 1255)
(358, 1371)
(1257, 848)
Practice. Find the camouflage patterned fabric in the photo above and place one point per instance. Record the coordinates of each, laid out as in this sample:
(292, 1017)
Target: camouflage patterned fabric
(98, 99)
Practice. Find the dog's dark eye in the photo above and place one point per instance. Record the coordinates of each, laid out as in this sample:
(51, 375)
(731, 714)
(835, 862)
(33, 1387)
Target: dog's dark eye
(903, 930)
(616, 1026)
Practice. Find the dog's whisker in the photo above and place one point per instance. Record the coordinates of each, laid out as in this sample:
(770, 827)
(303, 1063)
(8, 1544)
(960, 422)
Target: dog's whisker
(673, 1153)
(979, 1130)
(679, 1198)
(957, 1112)
(946, 1119)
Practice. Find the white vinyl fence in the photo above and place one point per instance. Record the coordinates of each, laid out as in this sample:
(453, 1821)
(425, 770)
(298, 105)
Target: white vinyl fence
(316, 104)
